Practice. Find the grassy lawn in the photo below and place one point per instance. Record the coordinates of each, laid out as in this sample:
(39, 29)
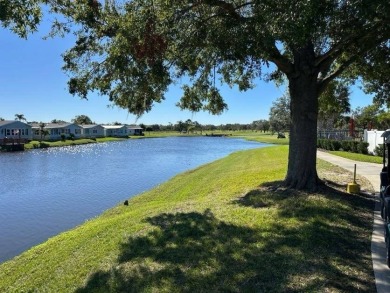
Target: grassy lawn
(223, 227)
(247, 134)
(152, 134)
(262, 137)
(358, 157)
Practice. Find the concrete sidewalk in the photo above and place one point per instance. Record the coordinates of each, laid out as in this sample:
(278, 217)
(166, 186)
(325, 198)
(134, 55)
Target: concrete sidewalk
(370, 171)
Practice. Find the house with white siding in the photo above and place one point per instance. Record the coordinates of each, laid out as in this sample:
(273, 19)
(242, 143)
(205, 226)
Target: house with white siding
(134, 130)
(115, 130)
(92, 130)
(15, 130)
(57, 130)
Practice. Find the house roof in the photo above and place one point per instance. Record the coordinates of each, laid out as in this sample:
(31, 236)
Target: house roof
(134, 127)
(53, 125)
(90, 125)
(113, 126)
(8, 122)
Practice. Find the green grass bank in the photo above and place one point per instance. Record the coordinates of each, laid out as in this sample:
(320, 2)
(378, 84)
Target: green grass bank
(223, 227)
(358, 157)
(68, 142)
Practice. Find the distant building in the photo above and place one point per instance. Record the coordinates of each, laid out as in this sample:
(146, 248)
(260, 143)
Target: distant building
(115, 130)
(56, 130)
(92, 130)
(13, 129)
(134, 130)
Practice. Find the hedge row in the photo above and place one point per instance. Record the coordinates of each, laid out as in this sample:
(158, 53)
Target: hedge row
(345, 145)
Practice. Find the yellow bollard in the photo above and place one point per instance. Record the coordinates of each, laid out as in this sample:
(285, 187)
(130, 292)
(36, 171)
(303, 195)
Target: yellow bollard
(353, 187)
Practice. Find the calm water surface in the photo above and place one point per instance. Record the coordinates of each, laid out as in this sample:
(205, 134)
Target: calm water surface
(45, 192)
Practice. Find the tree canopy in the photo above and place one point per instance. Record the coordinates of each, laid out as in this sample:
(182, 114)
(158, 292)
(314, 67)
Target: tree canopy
(279, 115)
(332, 103)
(82, 119)
(132, 51)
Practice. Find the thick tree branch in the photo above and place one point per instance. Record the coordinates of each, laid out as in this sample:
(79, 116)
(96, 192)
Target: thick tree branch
(229, 8)
(340, 69)
(281, 62)
(338, 49)
(361, 51)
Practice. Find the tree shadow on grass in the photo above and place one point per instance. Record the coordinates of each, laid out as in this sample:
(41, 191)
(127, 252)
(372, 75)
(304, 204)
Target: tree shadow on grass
(197, 252)
(333, 238)
(193, 252)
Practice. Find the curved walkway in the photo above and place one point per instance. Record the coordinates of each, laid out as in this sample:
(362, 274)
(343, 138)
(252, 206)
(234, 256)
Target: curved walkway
(378, 247)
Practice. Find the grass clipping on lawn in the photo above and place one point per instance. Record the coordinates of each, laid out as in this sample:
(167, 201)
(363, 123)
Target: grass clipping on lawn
(223, 227)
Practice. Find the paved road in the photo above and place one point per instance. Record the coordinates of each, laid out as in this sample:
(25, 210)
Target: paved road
(378, 247)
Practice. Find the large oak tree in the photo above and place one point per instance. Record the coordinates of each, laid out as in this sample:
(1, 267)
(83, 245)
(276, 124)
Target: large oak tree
(131, 51)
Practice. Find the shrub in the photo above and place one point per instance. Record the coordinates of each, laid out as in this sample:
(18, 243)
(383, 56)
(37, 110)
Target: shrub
(378, 151)
(345, 145)
(353, 146)
(63, 137)
(336, 145)
(362, 147)
(322, 143)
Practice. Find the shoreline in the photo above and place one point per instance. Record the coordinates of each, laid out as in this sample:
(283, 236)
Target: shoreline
(213, 210)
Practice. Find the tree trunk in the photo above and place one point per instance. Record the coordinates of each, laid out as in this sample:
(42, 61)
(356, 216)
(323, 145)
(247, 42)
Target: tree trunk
(302, 172)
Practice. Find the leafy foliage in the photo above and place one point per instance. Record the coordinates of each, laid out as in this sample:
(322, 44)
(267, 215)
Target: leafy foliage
(132, 51)
(20, 117)
(346, 145)
(279, 116)
(82, 119)
(367, 117)
(332, 103)
(21, 16)
(262, 125)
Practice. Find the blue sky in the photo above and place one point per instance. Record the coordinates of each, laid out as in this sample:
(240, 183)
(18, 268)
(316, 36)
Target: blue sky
(33, 84)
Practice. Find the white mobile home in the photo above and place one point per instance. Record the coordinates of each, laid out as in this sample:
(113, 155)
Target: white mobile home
(15, 130)
(92, 130)
(115, 130)
(134, 130)
(57, 130)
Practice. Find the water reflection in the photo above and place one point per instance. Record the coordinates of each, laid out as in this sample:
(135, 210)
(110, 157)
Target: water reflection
(44, 192)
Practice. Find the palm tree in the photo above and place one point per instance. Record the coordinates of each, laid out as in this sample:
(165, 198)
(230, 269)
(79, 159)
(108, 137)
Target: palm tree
(20, 117)
(42, 131)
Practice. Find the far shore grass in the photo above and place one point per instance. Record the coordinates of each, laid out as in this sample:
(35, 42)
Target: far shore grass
(227, 226)
(264, 137)
(259, 136)
(68, 142)
(249, 135)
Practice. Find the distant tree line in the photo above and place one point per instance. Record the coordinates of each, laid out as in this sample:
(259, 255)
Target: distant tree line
(190, 126)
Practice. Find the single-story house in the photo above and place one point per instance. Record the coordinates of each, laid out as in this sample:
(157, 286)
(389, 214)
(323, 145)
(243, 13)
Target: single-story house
(15, 130)
(134, 130)
(92, 130)
(115, 130)
(56, 130)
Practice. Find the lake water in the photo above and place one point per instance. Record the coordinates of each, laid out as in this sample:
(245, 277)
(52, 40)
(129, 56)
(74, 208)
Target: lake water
(45, 192)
